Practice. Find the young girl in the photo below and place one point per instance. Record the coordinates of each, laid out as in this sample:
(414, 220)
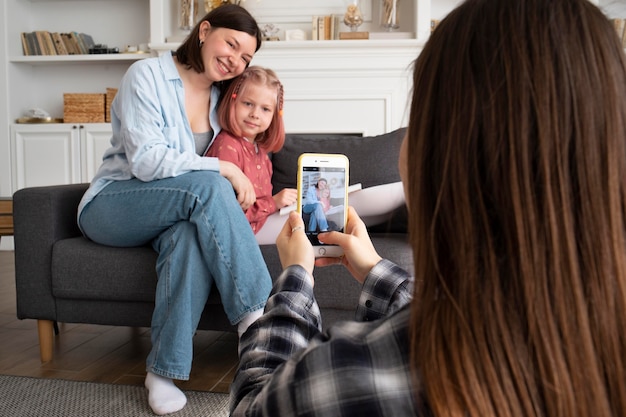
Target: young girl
(251, 117)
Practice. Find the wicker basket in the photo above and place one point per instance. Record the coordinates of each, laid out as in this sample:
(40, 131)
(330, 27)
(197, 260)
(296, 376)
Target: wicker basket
(83, 108)
(111, 92)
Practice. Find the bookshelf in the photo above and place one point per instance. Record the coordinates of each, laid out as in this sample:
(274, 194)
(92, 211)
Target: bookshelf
(43, 60)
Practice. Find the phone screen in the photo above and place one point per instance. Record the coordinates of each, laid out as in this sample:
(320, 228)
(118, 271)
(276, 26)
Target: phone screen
(323, 204)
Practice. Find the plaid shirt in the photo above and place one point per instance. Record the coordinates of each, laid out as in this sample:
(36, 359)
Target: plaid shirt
(288, 367)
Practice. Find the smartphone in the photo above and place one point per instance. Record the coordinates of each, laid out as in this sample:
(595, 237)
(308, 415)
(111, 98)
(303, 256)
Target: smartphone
(323, 198)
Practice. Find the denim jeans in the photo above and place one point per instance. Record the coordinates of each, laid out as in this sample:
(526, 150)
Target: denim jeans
(318, 218)
(201, 235)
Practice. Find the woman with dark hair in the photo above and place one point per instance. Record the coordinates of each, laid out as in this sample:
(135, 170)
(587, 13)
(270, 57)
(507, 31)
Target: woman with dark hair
(155, 187)
(514, 168)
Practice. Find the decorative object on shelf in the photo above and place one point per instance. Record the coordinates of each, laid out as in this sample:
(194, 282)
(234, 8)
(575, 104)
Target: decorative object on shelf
(295, 35)
(389, 15)
(37, 120)
(212, 4)
(36, 115)
(353, 17)
(270, 32)
(100, 49)
(433, 24)
(83, 108)
(188, 14)
(619, 24)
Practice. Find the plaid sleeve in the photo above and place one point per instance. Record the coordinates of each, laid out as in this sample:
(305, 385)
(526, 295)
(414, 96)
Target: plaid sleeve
(291, 319)
(387, 288)
(288, 367)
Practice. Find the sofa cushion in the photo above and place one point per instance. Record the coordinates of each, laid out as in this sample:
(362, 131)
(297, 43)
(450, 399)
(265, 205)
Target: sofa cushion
(373, 159)
(82, 269)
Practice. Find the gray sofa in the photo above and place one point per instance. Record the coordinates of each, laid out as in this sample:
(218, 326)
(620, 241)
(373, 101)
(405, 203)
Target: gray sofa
(63, 277)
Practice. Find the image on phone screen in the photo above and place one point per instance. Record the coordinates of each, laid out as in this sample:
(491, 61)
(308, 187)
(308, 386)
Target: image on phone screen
(323, 200)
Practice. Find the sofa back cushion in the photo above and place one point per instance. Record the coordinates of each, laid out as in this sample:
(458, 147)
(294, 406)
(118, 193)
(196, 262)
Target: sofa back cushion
(373, 159)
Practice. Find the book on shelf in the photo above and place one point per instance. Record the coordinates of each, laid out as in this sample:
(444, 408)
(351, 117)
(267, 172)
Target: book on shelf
(81, 43)
(325, 27)
(25, 47)
(71, 43)
(335, 26)
(68, 43)
(33, 45)
(41, 42)
(314, 25)
(321, 28)
(59, 44)
(45, 42)
(87, 41)
(41, 46)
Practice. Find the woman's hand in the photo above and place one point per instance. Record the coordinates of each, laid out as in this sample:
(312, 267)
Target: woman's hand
(294, 247)
(285, 197)
(242, 185)
(359, 253)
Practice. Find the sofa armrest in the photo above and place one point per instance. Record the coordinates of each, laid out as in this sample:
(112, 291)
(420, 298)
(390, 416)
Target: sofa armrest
(42, 216)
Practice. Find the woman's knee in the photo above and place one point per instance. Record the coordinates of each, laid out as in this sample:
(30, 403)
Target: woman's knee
(207, 185)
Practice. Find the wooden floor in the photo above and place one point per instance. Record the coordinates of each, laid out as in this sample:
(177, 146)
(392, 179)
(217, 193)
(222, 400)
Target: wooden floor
(101, 353)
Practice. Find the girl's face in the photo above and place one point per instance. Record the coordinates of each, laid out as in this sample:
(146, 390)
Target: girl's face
(225, 52)
(254, 109)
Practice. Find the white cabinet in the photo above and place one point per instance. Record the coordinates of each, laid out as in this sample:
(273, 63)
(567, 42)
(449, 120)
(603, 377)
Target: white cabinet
(52, 154)
(95, 138)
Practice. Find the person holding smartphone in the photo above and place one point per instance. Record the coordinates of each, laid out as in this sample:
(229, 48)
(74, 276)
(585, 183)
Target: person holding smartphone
(514, 169)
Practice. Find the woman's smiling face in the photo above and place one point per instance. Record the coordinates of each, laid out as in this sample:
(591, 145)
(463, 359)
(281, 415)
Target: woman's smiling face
(225, 52)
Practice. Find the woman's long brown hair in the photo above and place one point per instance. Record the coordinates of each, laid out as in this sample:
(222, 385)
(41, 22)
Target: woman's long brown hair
(517, 198)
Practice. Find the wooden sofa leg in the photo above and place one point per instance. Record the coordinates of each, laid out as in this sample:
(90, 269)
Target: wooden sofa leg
(45, 328)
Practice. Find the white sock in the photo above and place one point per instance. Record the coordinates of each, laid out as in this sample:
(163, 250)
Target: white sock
(163, 396)
(247, 320)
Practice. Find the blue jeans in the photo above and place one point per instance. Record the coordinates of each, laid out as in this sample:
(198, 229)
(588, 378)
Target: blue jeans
(318, 218)
(202, 237)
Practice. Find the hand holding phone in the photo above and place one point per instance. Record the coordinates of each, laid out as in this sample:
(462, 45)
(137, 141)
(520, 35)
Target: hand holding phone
(323, 198)
(360, 255)
(293, 246)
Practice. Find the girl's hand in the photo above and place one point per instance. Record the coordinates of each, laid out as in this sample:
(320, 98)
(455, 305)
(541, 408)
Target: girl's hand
(242, 185)
(285, 197)
(359, 253)
(294, 247)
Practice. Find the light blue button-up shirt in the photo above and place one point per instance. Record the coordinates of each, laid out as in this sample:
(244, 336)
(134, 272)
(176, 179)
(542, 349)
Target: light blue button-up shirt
(152, 138)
